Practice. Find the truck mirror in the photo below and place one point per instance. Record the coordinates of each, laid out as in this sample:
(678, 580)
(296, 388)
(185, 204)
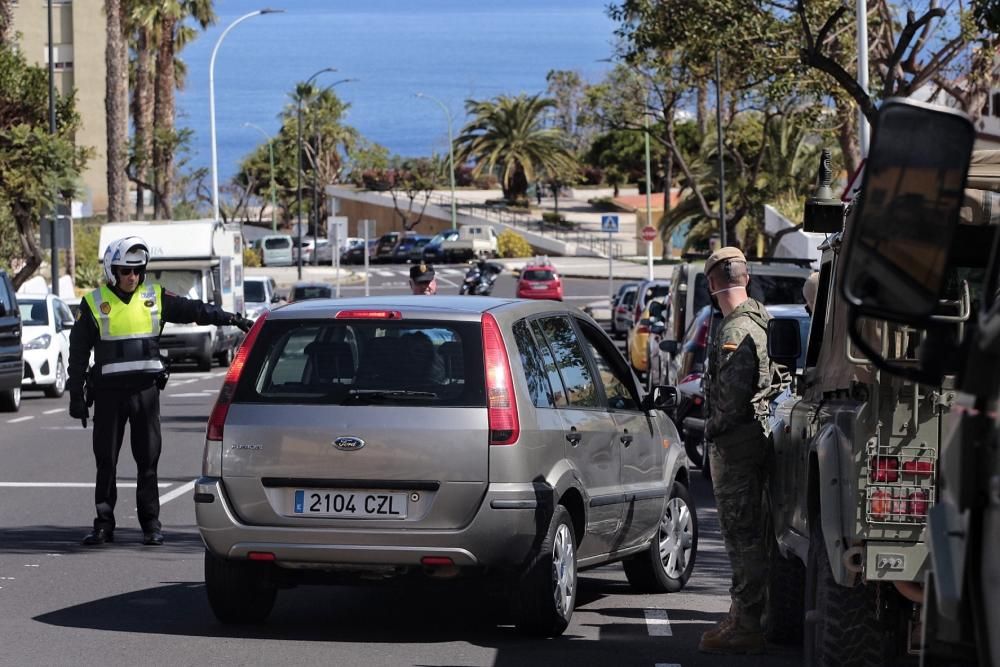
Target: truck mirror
(899, 242)
(784, 341)
(669, 346)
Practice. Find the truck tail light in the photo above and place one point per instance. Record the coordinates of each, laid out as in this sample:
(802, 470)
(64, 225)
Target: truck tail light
(919, 502)
(880, 504)
(500, 401)
(217, 420)
(883, 468)
(918, 468)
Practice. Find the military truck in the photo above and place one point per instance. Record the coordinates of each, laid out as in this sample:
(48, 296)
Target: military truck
(856, 466)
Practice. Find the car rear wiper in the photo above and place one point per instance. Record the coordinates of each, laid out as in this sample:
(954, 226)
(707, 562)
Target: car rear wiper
(389, 393)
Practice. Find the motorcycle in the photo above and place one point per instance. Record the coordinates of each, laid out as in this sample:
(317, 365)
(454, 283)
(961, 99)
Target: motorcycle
(479, 279)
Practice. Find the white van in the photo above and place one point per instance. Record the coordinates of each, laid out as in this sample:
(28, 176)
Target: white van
(275, 250)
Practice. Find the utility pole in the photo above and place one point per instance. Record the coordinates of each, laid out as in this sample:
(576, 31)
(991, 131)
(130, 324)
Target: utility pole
(649, 200)
(54, 209)
(722, 154)
(864, 130)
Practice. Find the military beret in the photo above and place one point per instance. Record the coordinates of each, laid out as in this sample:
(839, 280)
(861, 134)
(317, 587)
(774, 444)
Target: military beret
(726, 254)
(421, 273)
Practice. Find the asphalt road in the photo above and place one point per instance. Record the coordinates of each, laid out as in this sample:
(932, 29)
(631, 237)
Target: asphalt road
(126, 604)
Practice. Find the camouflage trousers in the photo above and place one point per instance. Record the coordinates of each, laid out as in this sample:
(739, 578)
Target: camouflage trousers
(738, 474)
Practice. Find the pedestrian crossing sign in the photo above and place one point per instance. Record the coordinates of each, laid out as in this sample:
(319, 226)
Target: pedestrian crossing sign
(609, 223)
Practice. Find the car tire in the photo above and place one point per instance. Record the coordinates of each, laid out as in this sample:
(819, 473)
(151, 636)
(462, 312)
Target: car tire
(666, 565)
(10, 400)
(706, 468)
(841, 627)
(694, 445)
(59, 386)
(546, 592)
(239, 591)
(225, 358)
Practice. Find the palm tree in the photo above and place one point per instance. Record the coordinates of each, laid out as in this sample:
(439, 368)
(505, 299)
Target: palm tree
(142, 17)
(510, 133)
(6, 20)
(116, 107)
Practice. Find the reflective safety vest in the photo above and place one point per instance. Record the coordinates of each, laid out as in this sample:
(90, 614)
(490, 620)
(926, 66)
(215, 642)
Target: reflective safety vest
(129, 332)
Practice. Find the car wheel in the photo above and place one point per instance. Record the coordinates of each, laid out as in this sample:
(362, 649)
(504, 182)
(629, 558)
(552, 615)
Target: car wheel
(785, 605)
(694, 445)
(666, 565)
(239, 591)
(546, 593)
(225, 357)
(706, 467)
(59, 386)
(10, 400)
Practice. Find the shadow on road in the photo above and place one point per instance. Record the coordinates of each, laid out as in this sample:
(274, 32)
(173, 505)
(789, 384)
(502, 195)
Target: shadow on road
(65, 540)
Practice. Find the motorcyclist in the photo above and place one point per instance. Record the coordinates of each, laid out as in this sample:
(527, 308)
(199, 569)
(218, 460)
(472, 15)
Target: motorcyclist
(121, 322)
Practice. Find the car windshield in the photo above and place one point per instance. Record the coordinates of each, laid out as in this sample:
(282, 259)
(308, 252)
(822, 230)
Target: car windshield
(254, 291)
(364, 362)
(33, 312)
(538, 274)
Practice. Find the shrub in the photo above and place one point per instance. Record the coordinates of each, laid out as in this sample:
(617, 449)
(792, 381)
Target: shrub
(251, 257)
(553, 217)
(88, 273)
(592, 175)
(486, 182)
(603, 203)
(463, 176)
(512, 244)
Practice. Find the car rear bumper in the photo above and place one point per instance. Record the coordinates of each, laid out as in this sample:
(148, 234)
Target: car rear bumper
(555, 295)
(502, 533)
(10, 374)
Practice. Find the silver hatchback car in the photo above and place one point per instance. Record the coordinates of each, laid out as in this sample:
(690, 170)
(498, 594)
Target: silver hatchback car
(439, 435)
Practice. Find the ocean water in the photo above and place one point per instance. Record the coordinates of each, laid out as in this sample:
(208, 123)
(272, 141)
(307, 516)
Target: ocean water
(451, 49)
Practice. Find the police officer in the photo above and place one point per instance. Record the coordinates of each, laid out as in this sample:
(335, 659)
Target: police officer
(742, 382)
(121, 322)
(422, 279)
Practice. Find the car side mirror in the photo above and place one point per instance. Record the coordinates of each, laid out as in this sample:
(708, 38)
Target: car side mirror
(656, 310)
(662, 397)
(784, 341)
(68, 324)
(669, 346)
(275, 298)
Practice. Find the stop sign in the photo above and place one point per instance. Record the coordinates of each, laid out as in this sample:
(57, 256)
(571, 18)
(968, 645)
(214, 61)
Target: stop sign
(648, 233)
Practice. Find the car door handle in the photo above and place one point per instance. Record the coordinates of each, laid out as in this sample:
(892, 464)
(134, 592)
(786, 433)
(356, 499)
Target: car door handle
(574, 437)
(626, 439)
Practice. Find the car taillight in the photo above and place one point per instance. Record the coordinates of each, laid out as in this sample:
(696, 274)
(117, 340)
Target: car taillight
(702, 340)
(621, 309)
(217, 420)
(883, 468)
(368, 315)
(500, 402)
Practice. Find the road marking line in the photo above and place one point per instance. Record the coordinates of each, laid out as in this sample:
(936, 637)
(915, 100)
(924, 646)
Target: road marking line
(69, 485)
(450, 283)
(52, 412)
(20, 419)
(657, 623)
(197, 394)
(219, 374)
(389, 274)
(667, 664)
(452, 272)
(179, 491)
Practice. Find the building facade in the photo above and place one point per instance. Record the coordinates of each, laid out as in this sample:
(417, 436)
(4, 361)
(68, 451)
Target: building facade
(78, 38)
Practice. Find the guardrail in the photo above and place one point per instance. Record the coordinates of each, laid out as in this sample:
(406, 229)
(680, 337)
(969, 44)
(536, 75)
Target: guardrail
(596, 242)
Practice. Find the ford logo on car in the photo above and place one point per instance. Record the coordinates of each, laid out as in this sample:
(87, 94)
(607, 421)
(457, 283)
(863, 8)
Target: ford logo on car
(348, 443)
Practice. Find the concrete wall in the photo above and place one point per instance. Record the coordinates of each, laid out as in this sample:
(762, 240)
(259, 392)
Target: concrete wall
(79, 25)
(358, 205)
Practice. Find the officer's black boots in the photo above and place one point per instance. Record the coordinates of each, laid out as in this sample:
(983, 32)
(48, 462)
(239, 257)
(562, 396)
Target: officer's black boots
(99, 536)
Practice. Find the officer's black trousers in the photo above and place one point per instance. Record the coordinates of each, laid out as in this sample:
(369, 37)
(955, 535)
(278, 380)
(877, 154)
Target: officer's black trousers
(141, 410)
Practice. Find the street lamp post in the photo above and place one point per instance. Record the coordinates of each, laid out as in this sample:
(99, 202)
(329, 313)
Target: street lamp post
(270, 154)
(211, 102)
(451, 156)
(298, 161)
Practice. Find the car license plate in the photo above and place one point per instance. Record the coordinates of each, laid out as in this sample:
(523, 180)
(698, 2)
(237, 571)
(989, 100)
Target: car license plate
(540, 286)
(350, 504)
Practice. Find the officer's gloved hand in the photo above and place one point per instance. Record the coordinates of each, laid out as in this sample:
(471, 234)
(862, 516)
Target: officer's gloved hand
(242, 323)
(78, 408)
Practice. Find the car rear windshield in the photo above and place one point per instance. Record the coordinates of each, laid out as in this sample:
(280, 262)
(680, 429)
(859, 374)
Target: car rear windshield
(653, 292)
(366, 362)
(777, 289)
(254, 292)
(538, 274)
(318, 292)
(275, 244)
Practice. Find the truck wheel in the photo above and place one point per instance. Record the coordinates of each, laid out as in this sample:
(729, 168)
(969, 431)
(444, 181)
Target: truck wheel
(10, 400)
(666, 565)
(786, 589)
(239, 592)
(205, 361)
(546, 592)
(841, 629)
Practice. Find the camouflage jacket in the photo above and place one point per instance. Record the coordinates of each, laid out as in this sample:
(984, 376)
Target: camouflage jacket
(742, 379)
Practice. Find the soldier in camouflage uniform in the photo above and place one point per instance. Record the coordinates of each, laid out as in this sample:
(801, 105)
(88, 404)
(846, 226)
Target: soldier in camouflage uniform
(742, 382)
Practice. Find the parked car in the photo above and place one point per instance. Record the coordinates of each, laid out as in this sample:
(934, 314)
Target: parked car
(303, 290)
(385, 248)
(637, 340)
(646, 292)
(416, 254)
(308, 244)
(46, 323)
(540, 280)
(355, 253)
(275, 250)
(443, 436)
(406, 246)
(621, 309)
(434, 250)
(260, 293)
(11, 347)
(473, 242)
(322, 252)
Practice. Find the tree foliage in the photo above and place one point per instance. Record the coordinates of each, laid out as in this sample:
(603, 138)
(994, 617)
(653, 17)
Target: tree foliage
(35, 166)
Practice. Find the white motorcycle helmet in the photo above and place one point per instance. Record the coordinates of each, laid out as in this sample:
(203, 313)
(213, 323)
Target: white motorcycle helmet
(129, 251)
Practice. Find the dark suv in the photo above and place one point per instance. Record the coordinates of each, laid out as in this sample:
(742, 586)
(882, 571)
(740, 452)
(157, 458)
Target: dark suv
(11, 349)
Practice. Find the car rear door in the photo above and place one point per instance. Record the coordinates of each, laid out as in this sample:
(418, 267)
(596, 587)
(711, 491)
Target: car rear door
(593, 448)
(643, 452)
(11, 364)
(327, 411)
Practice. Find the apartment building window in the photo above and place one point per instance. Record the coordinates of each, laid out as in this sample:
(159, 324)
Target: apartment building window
(62, 56)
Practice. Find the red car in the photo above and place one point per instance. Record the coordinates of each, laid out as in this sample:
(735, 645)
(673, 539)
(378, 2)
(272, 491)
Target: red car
(540, 281)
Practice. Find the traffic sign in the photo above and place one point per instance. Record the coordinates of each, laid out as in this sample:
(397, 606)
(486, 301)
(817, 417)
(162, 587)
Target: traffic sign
(648, 233)
(609, 223)
(854, 187)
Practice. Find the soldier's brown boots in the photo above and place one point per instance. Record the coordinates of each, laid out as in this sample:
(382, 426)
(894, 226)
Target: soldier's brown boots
(730, 637)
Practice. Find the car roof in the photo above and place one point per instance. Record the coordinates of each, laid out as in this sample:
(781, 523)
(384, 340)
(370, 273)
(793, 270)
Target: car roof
(433, 307)
(550, 267)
